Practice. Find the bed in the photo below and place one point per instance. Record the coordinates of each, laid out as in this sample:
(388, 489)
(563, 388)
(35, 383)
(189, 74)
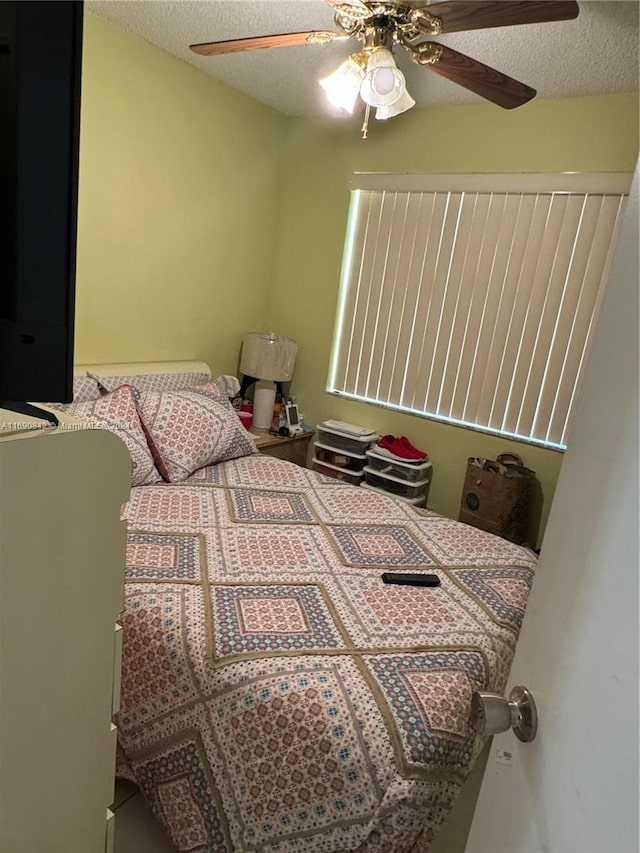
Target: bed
(276, 695)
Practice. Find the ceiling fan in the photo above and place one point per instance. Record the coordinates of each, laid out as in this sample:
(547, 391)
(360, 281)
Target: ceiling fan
(371, 76)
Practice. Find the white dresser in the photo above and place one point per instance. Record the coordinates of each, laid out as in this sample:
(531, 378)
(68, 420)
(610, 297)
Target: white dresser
(62, 549)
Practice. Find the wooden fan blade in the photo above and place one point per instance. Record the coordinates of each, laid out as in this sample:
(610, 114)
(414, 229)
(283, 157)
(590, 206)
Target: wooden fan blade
(215, 48)
(478, 78)
(461, 15)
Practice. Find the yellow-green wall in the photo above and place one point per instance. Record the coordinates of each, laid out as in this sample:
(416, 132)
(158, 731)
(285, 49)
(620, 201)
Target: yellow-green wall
(204, 214)
(582, 134)
(179, 189)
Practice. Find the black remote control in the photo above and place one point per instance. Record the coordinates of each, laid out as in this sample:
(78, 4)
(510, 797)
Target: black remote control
(410, 579)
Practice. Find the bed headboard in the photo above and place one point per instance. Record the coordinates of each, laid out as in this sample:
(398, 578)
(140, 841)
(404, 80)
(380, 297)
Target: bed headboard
(142, 368)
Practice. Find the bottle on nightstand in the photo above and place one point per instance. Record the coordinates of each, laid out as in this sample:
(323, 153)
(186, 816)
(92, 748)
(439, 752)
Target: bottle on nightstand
(277, 409)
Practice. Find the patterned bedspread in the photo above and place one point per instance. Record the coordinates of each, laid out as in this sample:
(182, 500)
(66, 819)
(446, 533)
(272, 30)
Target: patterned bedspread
(276, 695)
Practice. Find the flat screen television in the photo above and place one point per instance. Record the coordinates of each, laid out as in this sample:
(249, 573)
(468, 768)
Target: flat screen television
(40, 73)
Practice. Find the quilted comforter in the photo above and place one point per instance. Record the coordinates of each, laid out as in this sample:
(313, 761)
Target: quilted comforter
(276, 695)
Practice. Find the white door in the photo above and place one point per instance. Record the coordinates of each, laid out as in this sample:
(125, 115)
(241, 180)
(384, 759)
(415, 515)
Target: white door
(575, 788)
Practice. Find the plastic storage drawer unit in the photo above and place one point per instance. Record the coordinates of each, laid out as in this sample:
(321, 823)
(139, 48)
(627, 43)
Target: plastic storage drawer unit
(353, 477)
(408, 471)
(343, 441)
(421, 500)
(394, 485)
(340, 458)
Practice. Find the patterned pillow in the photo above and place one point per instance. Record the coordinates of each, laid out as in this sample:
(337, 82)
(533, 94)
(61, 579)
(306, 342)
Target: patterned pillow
(117, 413)
(152, 381)
(190, 429)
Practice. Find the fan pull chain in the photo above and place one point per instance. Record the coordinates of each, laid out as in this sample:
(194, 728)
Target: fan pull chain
(365, 124)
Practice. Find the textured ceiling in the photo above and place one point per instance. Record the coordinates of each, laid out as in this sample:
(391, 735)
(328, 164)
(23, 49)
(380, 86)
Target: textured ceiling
(597, 53)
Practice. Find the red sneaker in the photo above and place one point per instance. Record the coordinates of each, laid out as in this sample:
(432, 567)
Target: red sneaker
(400, 449)
(385, 444)
(417, 455)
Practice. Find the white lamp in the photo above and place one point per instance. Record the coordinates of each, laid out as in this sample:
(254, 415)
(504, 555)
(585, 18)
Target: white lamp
(269, 358)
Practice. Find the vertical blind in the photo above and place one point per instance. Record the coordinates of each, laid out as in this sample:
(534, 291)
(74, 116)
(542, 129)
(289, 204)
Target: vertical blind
(472, 299)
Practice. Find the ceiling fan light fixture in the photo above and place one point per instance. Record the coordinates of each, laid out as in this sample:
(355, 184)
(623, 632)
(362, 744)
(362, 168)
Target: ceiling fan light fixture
(343, 85)
(383, 83)
(380, 25)
(404, 103)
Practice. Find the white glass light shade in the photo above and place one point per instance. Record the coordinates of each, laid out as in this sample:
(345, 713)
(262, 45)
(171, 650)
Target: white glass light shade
(343, 85)
(404, 103)
(268, 356)
(383, 83)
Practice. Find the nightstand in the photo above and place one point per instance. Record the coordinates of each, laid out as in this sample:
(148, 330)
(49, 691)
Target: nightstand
(293, 448)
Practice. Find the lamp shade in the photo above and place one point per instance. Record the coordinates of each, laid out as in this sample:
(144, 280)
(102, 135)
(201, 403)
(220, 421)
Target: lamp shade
(343, 85)
(404, 102)
(383, 84)
(268, 356)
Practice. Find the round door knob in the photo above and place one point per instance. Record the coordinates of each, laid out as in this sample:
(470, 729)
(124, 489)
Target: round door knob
(492, 714)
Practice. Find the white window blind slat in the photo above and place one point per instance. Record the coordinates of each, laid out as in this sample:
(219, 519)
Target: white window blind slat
(433, 353)
(418, 359)
(360, 280)
(378, 295)
(399, 250)
(595, 278)
(487, 284)
(454, 386)
(574, 323)
(496, 323)
(451, 290)
(400, 318)
(460, 294)
(515, 296)
(348, 317)
(567, 314)
(430, 211)
(473, 321)
(475, 306)
(559, 245)
(521, 416)
(527, 311)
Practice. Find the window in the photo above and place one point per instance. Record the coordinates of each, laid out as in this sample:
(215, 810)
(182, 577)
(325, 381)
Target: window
(472, 298)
